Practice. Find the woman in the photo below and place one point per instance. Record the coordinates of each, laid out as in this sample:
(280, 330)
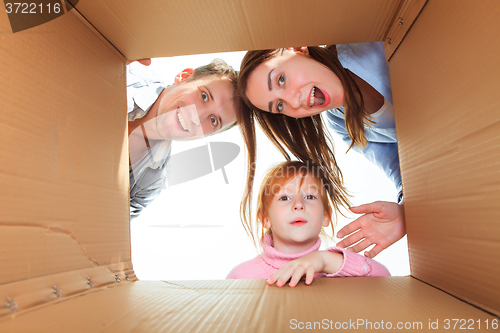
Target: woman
(287, 89)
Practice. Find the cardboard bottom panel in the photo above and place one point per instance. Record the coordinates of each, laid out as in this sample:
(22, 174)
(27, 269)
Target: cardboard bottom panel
(37, 292)
(364, 304)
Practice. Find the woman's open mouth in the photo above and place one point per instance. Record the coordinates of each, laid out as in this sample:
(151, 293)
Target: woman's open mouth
(317, 97)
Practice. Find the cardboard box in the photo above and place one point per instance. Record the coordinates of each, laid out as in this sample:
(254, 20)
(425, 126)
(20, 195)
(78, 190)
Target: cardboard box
(65, 241)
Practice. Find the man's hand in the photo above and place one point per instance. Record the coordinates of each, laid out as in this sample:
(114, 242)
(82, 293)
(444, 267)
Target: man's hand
(145, 61)
(382, 224)
(308, 265)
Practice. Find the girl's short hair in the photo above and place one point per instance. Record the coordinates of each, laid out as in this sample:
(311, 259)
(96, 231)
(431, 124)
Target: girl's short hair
(278, 176)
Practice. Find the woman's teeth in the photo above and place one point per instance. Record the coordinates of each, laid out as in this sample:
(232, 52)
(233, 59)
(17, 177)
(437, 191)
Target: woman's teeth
(320, 100)
(181, 121)
(311, 99)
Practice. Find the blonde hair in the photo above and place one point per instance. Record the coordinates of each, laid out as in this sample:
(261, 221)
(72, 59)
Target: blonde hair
(277, 177)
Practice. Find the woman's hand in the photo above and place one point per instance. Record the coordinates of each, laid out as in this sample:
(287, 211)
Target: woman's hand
(382, 224)
(308, 265)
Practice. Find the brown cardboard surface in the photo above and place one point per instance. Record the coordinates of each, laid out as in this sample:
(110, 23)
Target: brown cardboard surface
(445, 81)
(34, 293)
(64, 170)
(187, 27)
(403, 20)
(251, 306)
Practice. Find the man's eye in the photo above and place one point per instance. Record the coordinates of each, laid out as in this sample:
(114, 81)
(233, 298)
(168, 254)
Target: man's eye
(214, 121)
(204, 96)
(279, 106)
(281, 80)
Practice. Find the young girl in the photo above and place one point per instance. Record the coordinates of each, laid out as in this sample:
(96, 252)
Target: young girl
(285, 90)
(294, 207)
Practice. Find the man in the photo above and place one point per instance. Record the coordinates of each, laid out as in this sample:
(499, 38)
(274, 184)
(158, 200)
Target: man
(199, 103)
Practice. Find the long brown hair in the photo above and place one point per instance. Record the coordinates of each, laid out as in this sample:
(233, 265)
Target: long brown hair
(306, 138)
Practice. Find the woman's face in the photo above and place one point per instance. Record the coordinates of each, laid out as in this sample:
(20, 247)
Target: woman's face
(295, 85)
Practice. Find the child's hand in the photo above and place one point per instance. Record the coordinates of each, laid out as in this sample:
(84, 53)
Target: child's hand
(308, 265)
(382, 224)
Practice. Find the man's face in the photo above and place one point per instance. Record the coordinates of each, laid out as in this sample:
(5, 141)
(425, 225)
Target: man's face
(196, 108)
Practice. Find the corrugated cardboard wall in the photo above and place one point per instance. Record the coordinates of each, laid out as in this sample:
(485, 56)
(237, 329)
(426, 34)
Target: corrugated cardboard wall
(365, 304)
(64, 160)
(446, 83)
(159, 28)
(64, 172)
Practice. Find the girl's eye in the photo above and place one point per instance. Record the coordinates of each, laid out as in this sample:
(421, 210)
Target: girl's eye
(281, 80)
(204, 96)
(279, 106)
(283, 198)
(310, 197)
(214, 121)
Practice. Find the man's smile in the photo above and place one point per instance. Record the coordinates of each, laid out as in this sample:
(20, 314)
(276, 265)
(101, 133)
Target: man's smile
(180, 118)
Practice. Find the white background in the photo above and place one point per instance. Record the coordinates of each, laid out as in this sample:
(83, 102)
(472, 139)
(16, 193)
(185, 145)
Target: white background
(193, 230)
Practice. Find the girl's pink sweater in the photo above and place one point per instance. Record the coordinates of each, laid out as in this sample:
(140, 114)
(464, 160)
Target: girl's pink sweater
(264, 265)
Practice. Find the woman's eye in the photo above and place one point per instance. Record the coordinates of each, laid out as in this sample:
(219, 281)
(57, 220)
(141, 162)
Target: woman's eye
(281, 80)
(214, 121)
(204, 96)
(279, 106)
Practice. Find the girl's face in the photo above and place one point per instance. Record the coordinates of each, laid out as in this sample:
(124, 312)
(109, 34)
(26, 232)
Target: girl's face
(295, 85)
(296, 214)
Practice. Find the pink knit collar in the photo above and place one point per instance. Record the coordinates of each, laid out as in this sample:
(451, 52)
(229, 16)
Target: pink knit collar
(278, 259)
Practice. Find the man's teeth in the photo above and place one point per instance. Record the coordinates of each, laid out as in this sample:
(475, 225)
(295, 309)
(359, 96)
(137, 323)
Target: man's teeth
(181, 121)
(311, 99)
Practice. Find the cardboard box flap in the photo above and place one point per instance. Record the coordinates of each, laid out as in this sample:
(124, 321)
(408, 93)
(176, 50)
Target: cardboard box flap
(64, 170)
(251, 306)
(167, 28)
(405, 16)
(445, 81)
(64, 201)
(34, 293)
